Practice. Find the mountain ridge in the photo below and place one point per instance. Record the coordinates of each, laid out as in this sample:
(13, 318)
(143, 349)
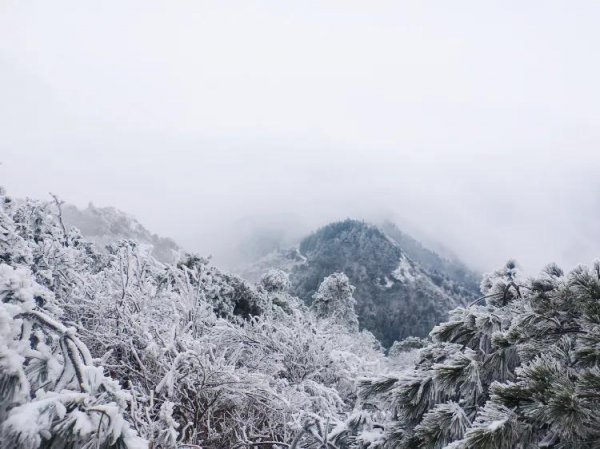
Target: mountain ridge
(397, 296)
(402, 288)
(104, 225)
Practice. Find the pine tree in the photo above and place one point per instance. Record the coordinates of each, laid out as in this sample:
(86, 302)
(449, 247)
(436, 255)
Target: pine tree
(554, 400)
(519, 372)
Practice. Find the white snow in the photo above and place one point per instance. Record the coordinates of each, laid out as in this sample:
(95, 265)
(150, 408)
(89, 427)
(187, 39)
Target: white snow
(405, 272)
(495, 425)
(388, 282)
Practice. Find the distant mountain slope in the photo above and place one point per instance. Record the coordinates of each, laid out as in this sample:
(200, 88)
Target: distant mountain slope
(396, 296)
(282, 259)
(430, 260)
(104, 225)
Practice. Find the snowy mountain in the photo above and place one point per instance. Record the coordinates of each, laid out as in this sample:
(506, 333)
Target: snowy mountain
(448, 266)
(104, 225)
(117, 350)
(114, 349)
(402, 288)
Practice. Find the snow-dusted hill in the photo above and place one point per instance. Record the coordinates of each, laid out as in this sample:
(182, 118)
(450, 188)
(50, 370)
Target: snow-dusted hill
(104, 225)
(400, 292)
(402, 288)
(114, 349)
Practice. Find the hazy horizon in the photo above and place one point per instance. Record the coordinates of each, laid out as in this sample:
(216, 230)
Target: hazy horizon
(475, 125)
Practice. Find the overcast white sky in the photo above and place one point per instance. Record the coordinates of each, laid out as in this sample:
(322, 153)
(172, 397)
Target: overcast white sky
(475, 123)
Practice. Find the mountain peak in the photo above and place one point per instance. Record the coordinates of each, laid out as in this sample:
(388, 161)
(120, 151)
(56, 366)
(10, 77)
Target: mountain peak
(402, 288)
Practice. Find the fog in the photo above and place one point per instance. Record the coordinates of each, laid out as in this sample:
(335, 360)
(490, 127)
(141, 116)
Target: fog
(473, 125)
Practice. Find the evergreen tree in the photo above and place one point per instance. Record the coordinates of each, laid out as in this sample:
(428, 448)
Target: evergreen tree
(519, 372)
(333, 301)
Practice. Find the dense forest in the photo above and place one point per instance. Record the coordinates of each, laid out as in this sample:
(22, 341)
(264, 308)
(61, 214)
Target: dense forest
(106, 346)
(397, 295)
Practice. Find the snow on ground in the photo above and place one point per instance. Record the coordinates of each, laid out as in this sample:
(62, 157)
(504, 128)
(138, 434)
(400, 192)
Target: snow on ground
(405, 272)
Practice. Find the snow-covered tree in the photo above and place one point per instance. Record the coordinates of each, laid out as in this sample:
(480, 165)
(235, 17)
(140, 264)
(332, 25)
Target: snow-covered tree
(333, 301)
(51, 394)
(275, 281)
(519, 372)
(207, 358)
(275, 284)
(554, 398)
(95, 344)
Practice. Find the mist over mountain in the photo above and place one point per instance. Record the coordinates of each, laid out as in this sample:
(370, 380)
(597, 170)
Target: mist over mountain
(184, 354)
(402, 288)
(251, 238)
(379, 212)
(449, 266)
(104, 225)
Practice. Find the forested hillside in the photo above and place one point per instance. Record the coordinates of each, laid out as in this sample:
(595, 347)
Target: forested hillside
(396, 296)
(402, 288)
(114, 349)
(450, 268)
(518, 370)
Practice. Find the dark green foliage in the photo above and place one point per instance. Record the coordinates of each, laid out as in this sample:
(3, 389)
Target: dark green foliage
(391, 304)
(525, 369)
(443, 424)
(246, 301)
